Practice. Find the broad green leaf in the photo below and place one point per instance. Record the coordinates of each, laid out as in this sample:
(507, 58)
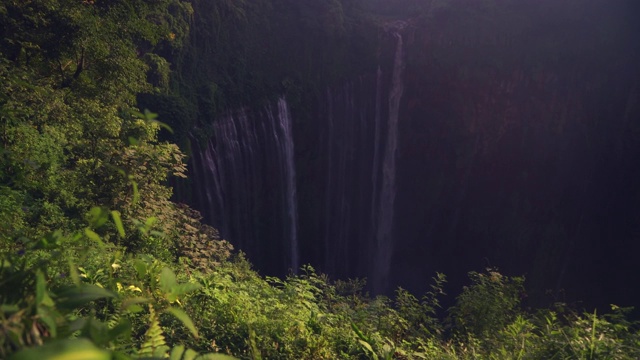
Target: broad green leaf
(49, 318)
(176, 353)
(93, 236)
(182, 289)
(162, 125)
(75, 296)
(132, 304)
(68, 349)
(145, 115)
(190, 355)
(73, 272)
(367, 346)
(133, 141)
(97, 217)
(150, 222)
(97, 331)
(167, 280)
(184, 318)
(42, 296)
(118, 221)
(150, 117)
(134, 309)
(141, 268)
(358, 332)
(51, 240)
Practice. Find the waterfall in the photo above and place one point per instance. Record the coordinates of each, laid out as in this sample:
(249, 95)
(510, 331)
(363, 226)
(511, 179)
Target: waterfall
(376, 148)
(339, 201)
(246, 177)
(285, 130)
(356, 172)
(245, 181)
(386, 200)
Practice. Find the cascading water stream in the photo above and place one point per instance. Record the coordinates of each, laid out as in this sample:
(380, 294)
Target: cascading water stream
(376, 148)
(384, 235)
(248, 184)
(384, 166)
(289, 170)
(248, 187)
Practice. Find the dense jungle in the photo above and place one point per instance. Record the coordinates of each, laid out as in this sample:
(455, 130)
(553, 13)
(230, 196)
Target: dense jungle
(319, 179)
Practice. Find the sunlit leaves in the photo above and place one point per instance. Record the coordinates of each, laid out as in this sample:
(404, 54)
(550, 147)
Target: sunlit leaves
(151, 118)
(42, 296)
(79, 295)
(170, 287)
(93, 236)
(98, 216)
(67, 349)
(70, 72)
(132, 304)
(66, 109)
(184, 318)
(118, 222)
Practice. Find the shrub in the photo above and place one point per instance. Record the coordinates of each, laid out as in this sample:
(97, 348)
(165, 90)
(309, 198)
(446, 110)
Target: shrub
(487, 305)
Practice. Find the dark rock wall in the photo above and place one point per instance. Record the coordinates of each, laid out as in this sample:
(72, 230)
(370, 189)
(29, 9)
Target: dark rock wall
(521, 157)
(518, 148)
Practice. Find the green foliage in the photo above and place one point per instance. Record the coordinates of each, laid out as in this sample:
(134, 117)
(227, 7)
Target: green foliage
(71, 71)
(96, 314)
(96, 262)
(69, 348)
(490, 303)
(135, 306)
(243, 52)
(421, 316)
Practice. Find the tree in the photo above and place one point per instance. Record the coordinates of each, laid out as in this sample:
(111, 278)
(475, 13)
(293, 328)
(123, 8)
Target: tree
(71, 138)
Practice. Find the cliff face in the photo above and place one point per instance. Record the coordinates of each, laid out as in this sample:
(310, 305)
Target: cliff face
(518, 149)
(348, 167)
(491, 134)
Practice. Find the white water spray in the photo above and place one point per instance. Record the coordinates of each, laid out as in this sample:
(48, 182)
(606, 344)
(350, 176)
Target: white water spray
(384, 236)
(249, 159)
(289, 171)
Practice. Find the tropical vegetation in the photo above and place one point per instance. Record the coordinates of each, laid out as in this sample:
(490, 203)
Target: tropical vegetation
(97, 261)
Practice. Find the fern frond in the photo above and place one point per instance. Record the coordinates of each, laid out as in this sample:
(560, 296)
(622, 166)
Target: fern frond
(154, 342)
(114, 319)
